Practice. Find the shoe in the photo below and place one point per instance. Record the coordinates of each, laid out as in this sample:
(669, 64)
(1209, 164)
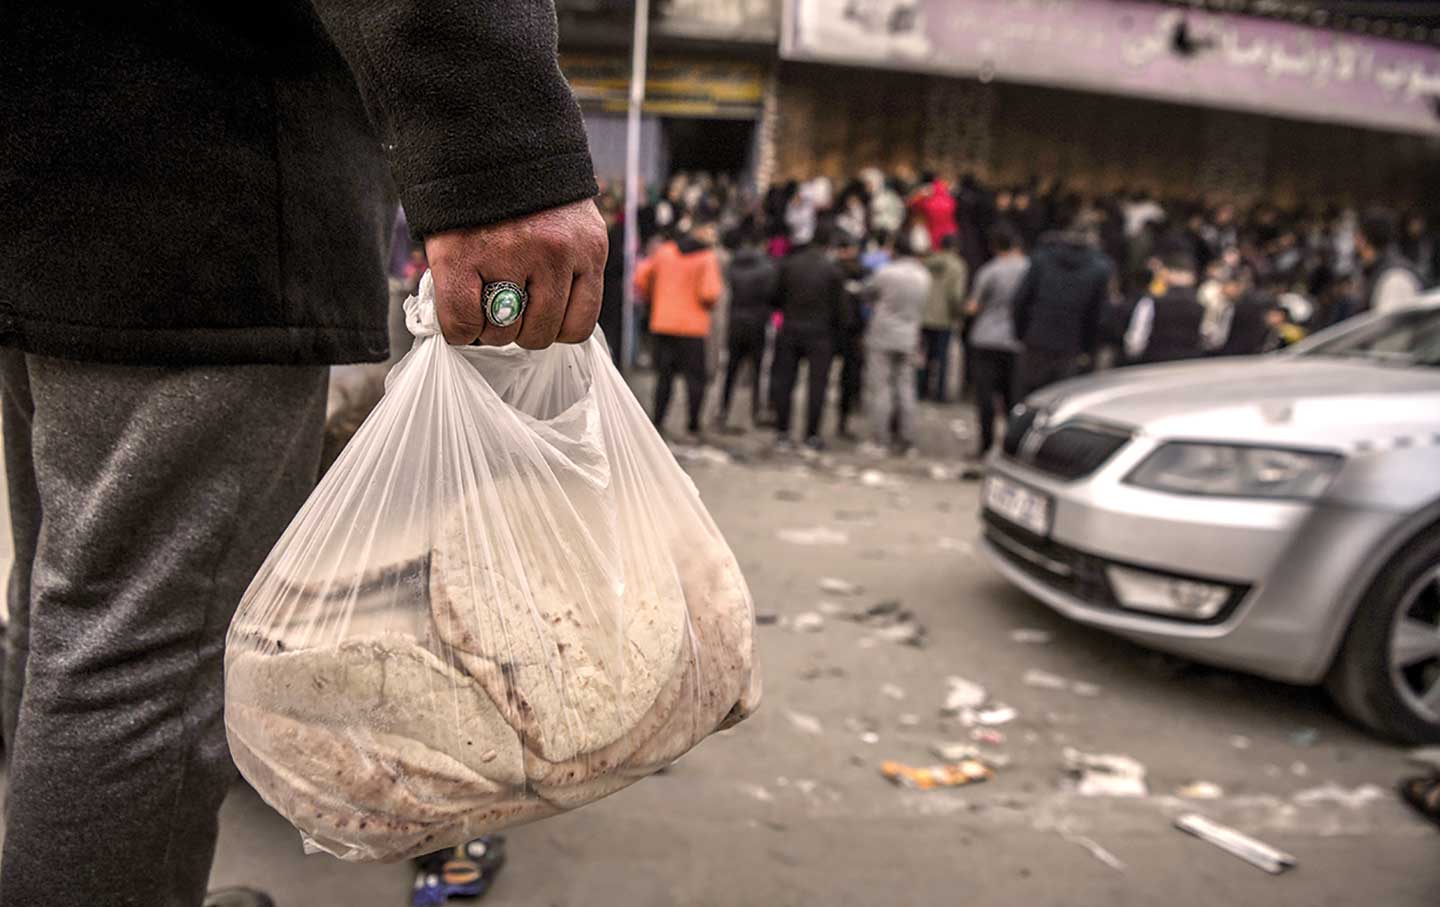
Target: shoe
(815, 443)
(848, 436)
(238, 897)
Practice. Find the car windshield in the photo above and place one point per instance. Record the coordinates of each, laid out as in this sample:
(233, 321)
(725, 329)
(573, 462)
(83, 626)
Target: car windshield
(1405, 338)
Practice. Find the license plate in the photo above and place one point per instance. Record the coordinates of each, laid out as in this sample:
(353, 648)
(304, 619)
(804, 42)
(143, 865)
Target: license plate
(1018, 504)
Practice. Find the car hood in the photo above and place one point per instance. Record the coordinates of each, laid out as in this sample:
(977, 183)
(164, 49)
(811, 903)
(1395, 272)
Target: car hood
(1311, 401)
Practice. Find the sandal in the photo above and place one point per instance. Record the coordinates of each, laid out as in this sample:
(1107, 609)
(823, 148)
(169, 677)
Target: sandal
(1423, 794)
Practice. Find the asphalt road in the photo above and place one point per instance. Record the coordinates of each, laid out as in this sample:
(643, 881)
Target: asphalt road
(790, 807)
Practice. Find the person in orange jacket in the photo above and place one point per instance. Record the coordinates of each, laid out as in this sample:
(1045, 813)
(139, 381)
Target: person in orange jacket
(682, 282)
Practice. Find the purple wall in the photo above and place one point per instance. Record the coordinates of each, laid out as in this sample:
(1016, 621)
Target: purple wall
(1119, 47)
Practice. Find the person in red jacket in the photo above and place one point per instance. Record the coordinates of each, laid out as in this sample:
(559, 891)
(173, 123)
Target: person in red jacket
(682, 282)
(933, 204)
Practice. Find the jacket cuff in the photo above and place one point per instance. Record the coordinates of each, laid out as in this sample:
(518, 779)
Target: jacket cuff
(491, 196)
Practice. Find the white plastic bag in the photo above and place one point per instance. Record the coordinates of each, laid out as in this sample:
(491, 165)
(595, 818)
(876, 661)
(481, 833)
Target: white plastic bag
(503, 601)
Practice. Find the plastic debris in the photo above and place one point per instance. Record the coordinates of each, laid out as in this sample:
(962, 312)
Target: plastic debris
(1252, 851)
(1044, 680)
(908, 719)
(888, 622)
(869, 737)
(954, 751)
(967, 771)
(702, 454)
(1305, 737)
(1201, 790)
(808, 622)
(1355, 798)
(1105, 774)
(1000, 714)
(1240, 741)
(874, 478)
(1096, 851)
(963, 694)
(808, 724)
(988, 735)
(1028, 637)
(833, 585)
(819, 535)
(894, 691)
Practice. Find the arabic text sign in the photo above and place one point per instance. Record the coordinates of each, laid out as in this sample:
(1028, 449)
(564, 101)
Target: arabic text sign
(1128, 48)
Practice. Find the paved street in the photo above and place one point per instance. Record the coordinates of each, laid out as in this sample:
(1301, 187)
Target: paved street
(790, 808)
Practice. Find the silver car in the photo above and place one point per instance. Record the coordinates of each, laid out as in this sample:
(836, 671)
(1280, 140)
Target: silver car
(1278, 514)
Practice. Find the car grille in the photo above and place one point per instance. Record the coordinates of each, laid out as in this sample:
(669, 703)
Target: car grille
(1071, 451)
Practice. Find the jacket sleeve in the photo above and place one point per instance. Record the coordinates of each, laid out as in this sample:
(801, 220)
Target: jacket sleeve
(1094, 312)
(476, 120)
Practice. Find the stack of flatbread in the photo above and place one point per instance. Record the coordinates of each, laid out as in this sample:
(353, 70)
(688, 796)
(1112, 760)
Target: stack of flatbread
(517, 697)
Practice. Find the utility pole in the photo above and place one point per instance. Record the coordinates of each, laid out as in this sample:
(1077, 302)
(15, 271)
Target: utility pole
(638, 54)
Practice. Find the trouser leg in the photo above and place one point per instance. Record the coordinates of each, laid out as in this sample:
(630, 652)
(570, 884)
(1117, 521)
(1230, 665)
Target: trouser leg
(817, 382)
(162, 490)
(732, 368)
(693, 368)
(879, 395)
(782, 376)
(757, 368)
(851, 376)
(905, 400)
(985, 374)
(664, 352)
(1005, 385)
(18, 410)
(941, 368)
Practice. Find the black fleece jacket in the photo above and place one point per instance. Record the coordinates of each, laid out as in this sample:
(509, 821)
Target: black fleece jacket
(1059, 304)
(186, 182)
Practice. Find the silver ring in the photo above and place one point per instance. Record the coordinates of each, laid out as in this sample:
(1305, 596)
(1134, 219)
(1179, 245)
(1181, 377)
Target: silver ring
(504, 303)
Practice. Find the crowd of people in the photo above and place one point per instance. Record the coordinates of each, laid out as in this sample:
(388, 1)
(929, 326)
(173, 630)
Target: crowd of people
(885, 278)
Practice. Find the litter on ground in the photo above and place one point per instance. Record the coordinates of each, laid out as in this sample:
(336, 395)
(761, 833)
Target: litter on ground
(1252, 851)
(968, 771)
(1201, 790)
(963, 694)
(807, 724)
(1350, 798)
(818, 535)
(808, 622)
(1105, 774)
(894, 691)
(833, 585)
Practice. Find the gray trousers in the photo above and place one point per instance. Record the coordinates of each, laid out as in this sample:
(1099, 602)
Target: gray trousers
(890, 392)
(142, 502)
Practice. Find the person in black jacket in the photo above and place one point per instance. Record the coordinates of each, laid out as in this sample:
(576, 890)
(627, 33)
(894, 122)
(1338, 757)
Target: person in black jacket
(1058, 309)
(811, 298)
(1165, 326)
(753, 278)
(195, 222)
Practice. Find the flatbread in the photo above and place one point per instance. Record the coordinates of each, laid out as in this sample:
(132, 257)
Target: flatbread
(572, 671)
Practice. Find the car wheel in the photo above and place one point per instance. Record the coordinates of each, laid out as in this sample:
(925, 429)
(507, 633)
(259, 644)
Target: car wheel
(1387, 675)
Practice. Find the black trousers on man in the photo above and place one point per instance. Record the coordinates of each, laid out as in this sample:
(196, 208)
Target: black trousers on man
(815, 349)
(851, 353)
(685, 357)
(994, 377)
(747, 344)
(1037, 368)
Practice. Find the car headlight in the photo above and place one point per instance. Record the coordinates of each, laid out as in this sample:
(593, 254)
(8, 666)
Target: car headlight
(1225, 470)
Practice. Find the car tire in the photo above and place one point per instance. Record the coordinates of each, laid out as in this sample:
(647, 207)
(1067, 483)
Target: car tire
(1361, 680)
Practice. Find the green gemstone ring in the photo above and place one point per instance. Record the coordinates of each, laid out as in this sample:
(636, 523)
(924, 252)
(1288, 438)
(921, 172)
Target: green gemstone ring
(504, 303)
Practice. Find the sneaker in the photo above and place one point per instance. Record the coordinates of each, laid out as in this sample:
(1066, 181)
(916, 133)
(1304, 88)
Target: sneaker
(815, 443)
(238, 897)
(783, 444)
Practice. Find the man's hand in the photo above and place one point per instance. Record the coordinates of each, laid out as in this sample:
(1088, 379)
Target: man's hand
(558, 256)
